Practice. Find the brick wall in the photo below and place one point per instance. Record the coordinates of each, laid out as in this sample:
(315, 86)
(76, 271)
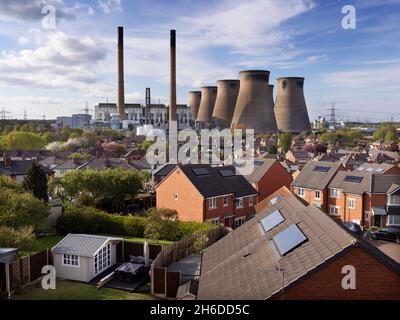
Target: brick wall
(374, 280)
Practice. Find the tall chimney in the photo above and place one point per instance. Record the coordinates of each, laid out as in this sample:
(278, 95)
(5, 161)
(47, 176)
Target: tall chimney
(172, 93)
(147, 105)
(120, 76)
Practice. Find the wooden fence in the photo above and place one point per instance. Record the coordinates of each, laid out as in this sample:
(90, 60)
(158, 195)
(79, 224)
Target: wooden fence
(165, 283)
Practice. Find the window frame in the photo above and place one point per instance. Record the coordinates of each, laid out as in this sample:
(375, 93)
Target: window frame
(240, 200)
(319, 195)
(334, 207)
(251, 201)
(212, 203)
(67, 260)
(334, 193)
(352, 200)
(225, 203)
(301, 192)
(243, 219)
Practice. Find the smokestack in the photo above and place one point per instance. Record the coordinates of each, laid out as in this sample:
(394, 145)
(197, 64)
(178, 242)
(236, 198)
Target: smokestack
(225, 102)
(254, 106)
(290, 106)
(208, 96)
(120, 76)
(172, 93)
(147, 105)
(194, 102)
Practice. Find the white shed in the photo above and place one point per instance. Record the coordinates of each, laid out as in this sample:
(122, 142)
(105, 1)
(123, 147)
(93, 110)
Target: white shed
(82, 257)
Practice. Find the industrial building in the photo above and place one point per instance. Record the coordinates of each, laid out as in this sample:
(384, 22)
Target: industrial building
(206, 108)
(225, 102)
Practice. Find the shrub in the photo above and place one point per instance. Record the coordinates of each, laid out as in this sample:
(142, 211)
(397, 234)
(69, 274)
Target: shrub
(22, 238)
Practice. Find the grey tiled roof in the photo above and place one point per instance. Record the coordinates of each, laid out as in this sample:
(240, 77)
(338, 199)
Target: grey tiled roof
(81, 244)
(19, 167)
(243, 264)
(352, 187)
(381, 183)
(104, 163)
(310, 179)
(259, 171)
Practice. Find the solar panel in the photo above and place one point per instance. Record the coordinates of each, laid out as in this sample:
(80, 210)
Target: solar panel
(289, 239)
(360, 169)
(276, 199)
(258, 163)
(200, 171)
(271, 220)
(370, 169)
(380, 170)
(226, 173)
(321, 169)
(354, 179)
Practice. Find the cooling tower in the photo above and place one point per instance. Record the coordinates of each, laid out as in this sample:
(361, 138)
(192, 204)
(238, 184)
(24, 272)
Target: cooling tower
(225, 102)
(172, 93)
(194, 102)
(207, 102)
(120, 75)
(254, 106)
(290, 106)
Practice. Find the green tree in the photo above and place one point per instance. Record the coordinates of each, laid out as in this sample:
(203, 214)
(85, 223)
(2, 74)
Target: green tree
(162, 223)
(36, 182)
(285, 141)
(23, 141)
(10, 184)
(390, 136)
(21, 209)
(329, 138)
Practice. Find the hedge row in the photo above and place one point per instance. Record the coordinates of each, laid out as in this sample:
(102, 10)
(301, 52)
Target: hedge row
(90, 220)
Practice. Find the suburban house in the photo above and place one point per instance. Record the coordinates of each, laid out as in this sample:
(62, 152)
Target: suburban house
(294, 251)
(379, 168)
(106, 163)
(162, 172)
(268, 176)
(311, 183)
(298, 156)
(82, 257)
(203, 193)
(67, 165)
(383, 156)
(365, 198)
(18, 169)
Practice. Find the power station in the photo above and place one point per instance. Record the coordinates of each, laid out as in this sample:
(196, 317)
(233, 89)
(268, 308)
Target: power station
(194, 102)
(206, 108)
(225, 102)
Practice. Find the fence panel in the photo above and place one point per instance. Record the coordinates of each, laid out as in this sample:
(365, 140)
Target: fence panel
(173, 281)
(159, 280)
(37, 261)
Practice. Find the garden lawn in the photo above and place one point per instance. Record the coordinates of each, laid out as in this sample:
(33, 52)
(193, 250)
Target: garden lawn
(70, 290)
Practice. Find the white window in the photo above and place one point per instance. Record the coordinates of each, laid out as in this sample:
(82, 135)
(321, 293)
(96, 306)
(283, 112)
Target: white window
(214, 221)
(239, 202)
(250, 200)
(334, 193)
(226, 201)
(366, 215)
(352, 203)
(317, 194)
(301, 193)
(102, 259)
(334, 210)
(239, 222)
(393, 220)
(70, 260)
(212, 203)
(176, 196)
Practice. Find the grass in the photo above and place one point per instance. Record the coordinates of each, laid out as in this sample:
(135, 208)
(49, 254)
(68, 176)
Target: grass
(50, 241)
(70, 290)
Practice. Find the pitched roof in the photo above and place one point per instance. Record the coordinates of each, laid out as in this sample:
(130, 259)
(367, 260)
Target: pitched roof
(340, 181)
(383, 183)
(246, 263)
(310, 178)
(69, 164)
(81, 244)
(375, 167)
(105, 163)
(52, 160)
(19, 167)
(261, 167)
(238, 183)
(164, 170)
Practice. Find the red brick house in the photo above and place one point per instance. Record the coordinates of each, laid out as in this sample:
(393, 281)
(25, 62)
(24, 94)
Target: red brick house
(291, 251)
(268, 176)
(311, 184)
(204, 193)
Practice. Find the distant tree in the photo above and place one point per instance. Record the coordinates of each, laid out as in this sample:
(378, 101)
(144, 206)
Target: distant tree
(145, 145)
(284, 141)
(273, 150)
(320, 148)
(329, 138)
(114, 148)
(23, 141)
(385, 131)
(36, 182)
(10, 184)
(390, 136)
(162, 223)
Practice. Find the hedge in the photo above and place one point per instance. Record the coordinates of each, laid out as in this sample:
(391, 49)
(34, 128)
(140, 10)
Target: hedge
(80, 219)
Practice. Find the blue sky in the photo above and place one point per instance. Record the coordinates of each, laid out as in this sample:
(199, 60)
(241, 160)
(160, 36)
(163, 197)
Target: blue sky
(54, 72)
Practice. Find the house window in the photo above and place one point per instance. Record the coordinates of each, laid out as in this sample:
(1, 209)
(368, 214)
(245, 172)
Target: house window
(393, 220)
(334, 193)
(70, 260)
(214, 221)
(250, 200)
(301, 193)
(102, 259)
(239, 222)
(334, 210)
(176, 196)
(225, 201)
(352, 203)
(212, 203)
(239, 202)
(317, 194)
(394, 199)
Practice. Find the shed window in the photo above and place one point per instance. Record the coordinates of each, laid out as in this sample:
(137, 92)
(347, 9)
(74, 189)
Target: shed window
(70, 260)
(102, 259)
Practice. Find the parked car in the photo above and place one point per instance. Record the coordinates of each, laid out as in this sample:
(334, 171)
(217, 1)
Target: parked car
(390, 233)
(354, 227)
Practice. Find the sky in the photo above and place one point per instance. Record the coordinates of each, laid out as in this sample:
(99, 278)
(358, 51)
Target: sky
(52, 69)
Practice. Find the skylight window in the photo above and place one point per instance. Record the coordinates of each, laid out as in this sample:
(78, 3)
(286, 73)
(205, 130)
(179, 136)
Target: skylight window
(353, 179)
(226, 173)
(200, 171)
(272, 220)
(289, 239)
(276, 199)
(321, 169)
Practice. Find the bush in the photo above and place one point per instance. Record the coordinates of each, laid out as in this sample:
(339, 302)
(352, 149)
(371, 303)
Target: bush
(22, 238)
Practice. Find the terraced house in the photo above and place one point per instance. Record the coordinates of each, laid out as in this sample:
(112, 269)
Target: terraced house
(203, 193)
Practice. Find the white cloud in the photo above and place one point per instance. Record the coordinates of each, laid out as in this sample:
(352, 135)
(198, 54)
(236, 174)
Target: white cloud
(109, 6)
(23, 40)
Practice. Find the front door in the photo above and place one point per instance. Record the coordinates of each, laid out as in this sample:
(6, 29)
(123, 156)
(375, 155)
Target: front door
(377, 221)
(227, 222)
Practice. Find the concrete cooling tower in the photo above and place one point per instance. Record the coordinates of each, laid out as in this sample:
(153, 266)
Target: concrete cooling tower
(194, 102)
(254, 106)
(225, 102)
(208, 96)
(290, 106)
